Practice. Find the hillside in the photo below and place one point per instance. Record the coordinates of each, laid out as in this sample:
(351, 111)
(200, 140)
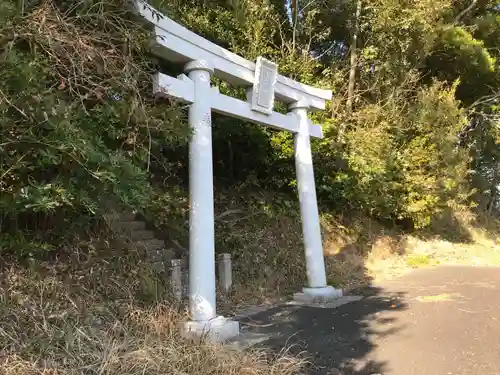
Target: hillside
(406, 175)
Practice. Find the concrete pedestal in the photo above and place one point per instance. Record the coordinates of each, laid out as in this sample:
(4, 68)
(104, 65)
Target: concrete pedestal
(317, 295)
(219, 329)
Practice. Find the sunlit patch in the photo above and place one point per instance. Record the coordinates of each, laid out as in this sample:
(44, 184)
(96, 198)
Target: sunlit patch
(445, 297)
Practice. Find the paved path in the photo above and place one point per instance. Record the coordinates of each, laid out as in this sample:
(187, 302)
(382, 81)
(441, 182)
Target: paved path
(440, 321)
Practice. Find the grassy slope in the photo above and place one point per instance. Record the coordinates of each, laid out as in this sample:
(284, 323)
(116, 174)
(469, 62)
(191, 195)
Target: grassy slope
(102, 311)
(371, 252)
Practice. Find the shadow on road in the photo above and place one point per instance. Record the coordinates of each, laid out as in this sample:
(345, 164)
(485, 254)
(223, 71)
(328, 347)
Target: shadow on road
(334, 340)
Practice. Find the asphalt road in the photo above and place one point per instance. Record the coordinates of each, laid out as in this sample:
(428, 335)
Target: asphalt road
(439, 321)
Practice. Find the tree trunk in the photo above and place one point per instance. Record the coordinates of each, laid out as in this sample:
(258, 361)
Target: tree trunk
(354, 59)
(354, 66)
(492, 204)
(295, 19)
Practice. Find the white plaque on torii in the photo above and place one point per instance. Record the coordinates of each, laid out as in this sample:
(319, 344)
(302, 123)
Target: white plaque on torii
(266, 74)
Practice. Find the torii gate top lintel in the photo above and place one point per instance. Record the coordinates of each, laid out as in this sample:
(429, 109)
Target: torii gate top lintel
(178, 44)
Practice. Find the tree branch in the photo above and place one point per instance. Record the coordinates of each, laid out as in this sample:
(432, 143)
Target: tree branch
(464, 12)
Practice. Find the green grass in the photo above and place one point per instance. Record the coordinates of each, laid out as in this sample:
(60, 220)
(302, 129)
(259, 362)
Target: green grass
(445, 297)
(335, 280)
(419, 260)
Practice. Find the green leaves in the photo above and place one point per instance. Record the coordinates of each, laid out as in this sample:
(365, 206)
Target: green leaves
(78, 125)
(77, 121)
(405, 156)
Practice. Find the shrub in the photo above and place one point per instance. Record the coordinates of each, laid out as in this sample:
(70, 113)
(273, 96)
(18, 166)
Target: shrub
(77, 121)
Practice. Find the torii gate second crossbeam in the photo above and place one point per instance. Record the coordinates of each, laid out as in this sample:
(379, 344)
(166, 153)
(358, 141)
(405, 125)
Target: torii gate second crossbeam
(202, 59)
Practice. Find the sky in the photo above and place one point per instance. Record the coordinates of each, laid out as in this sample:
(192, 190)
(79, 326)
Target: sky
(288, 7)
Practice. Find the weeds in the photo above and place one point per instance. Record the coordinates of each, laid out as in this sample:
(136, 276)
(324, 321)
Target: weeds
(103, 312)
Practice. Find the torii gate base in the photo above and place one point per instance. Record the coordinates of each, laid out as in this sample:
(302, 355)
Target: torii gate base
(313, 296)
(219, 329)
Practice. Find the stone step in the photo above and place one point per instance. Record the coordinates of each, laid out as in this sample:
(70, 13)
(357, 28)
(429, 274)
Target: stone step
(155, 251)
(115, 216)
(126, 216)
(130, 226)
(150, 246)
(138, 235)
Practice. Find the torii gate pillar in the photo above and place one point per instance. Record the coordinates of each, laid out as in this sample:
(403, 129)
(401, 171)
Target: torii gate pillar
(317, 288)
(202, 292)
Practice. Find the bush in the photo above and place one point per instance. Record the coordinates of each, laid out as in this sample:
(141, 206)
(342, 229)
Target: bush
(77, 121)
(404, 160)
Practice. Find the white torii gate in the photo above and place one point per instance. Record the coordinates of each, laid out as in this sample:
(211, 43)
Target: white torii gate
(202, 59)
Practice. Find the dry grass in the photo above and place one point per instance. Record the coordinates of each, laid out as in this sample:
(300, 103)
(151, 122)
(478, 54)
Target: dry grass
(361, 252)
(358, 251)
(88, 47)
(105, 313)
(266, 247)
